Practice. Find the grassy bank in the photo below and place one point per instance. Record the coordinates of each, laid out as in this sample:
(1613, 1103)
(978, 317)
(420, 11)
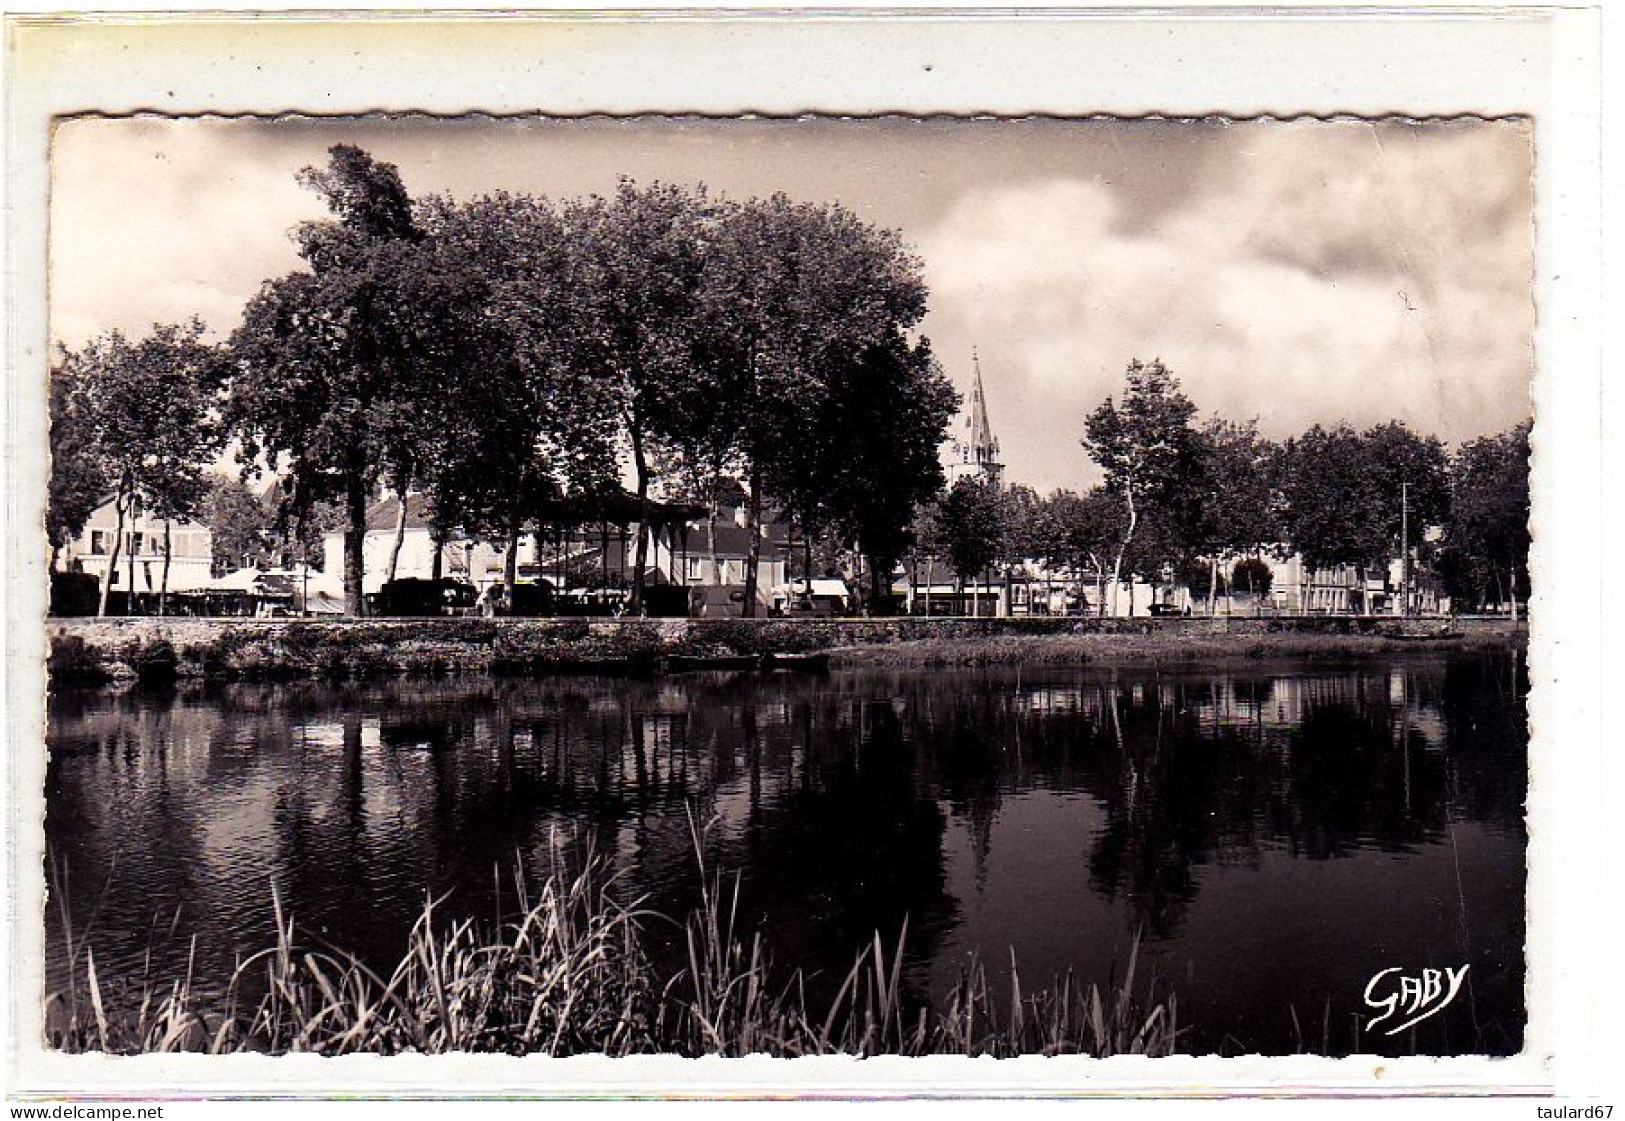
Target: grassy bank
(98, 651)
(569, 975)
(1158, 647)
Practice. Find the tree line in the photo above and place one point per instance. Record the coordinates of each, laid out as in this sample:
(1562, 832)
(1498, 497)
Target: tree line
(503, 356)
(1200, 503)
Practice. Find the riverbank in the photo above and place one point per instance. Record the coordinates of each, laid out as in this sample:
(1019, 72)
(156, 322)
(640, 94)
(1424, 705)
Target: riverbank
(156, 650)
(1172, 645)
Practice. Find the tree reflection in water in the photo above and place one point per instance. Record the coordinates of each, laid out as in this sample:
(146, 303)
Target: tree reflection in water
(837, 800)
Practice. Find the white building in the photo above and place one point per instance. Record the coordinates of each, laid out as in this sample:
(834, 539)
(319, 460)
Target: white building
(141, 551)
(478, 563)
(676, 556)
(1343, 589)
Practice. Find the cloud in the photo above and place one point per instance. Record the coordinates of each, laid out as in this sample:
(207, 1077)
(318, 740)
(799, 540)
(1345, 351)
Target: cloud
(1321, 273)
(154, 223)
(1298, 272)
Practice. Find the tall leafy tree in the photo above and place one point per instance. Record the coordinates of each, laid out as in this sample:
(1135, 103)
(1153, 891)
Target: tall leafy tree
(1254, 575)
(875, 458)
(1082, 534)
(1327, 498)
(1413, 472)
(240, 522)
(1147, 448)
(1234, 507)
(793, 296)
(1025, 539)
(1341, 493)
(639, 268)
(530, 425)
(341, 368)
(1487, 536)
(78, 481)
(925, 544)
(974, 528)
(146, 411)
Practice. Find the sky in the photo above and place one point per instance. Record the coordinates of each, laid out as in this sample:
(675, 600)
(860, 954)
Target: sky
(1288, 272)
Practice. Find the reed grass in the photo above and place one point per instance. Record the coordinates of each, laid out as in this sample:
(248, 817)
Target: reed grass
(569, 975)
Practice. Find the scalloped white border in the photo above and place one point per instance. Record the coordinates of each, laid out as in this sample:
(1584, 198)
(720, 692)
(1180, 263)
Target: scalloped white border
(1447, 60)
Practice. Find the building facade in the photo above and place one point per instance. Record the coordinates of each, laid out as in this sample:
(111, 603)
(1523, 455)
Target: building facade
(1296, 588)
(674, 555)
(141, 551)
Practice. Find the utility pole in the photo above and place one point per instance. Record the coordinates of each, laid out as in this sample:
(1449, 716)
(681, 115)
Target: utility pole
(1405, 546)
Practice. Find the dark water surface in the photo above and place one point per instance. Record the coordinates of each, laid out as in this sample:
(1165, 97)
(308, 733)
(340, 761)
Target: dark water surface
(1277, 832)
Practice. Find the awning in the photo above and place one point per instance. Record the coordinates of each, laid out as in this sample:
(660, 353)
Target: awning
(243, 580)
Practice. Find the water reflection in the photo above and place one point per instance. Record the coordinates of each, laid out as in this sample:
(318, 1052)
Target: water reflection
(1276, 833)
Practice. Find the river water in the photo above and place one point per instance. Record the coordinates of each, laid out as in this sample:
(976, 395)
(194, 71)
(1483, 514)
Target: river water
(1274, 833)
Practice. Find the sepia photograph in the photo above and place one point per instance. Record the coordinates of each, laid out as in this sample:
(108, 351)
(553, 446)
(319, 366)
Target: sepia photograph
(894, 586)
(761, 556)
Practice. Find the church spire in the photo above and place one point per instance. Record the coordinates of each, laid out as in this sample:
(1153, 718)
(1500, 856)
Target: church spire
(981, 432)
(977, 451)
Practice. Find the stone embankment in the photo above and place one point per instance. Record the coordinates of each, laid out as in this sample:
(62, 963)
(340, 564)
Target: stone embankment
(106, 650)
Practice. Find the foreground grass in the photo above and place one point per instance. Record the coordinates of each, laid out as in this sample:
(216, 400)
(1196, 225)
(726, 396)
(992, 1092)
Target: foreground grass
(569, 975)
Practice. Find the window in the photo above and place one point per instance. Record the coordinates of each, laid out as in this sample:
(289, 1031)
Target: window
(98, 542)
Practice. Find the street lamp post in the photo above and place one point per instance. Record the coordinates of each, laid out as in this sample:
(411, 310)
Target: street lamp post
(1405, 547)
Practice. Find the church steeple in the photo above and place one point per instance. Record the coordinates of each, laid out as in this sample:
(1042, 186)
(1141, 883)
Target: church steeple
(982, 441)
(976, 450)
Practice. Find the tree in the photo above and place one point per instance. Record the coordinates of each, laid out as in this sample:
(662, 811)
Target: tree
(341, 369)
(1416, 469)
(925, 546)
(794, 295)
(1023, 532)
(1147, 449)
(531, 424)
(639, 270)
(1041, 538)
(1024, 539)
(1084, 534)
(1487, 537)
(78, 482)
(1327, 497)
(884, 418)
(1342, 493)
(1254, 575)
(145, 409)
(240, 523)
(973, 527)
(1234, 507)
(296, 529)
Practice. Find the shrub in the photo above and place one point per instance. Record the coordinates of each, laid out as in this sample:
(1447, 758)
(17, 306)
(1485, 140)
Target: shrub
(150, 659)
(71, 659)
(202, 659)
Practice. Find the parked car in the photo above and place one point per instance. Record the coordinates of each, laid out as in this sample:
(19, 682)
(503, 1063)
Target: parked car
(532, 600)
(826, 599)
(75, 593)
(420, 598)
(722, 601)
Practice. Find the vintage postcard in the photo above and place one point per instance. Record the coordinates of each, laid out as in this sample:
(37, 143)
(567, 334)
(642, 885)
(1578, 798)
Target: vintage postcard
(687, 586)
